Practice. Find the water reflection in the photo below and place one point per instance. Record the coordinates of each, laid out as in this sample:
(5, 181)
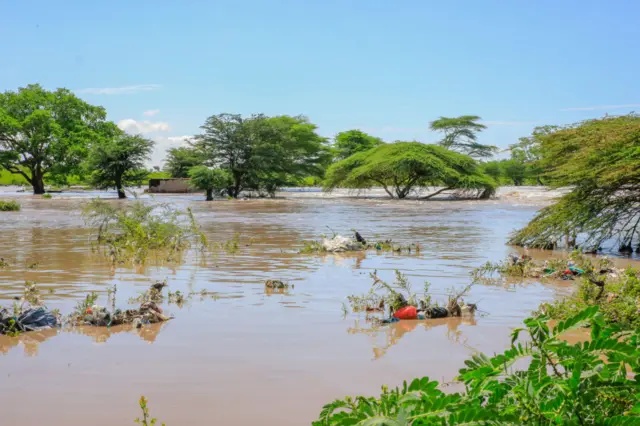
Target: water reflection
(392, 333)
(31, 341)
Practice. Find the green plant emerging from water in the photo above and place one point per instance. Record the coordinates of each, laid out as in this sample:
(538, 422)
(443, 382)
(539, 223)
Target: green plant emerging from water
(569, 384)
(131, 233)
(9, 206)
(146, 419)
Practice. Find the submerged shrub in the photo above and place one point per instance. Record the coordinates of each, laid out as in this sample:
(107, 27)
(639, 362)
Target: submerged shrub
(131, 233)
(9, 206)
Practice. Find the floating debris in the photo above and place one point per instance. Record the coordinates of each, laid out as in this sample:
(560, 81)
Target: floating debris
(340, 244)
(275, 284)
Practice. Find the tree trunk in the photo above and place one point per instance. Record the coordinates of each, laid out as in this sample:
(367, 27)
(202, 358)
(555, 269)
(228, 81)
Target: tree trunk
(435, 193)
(209, 194)
(121, 194)
(37, 181)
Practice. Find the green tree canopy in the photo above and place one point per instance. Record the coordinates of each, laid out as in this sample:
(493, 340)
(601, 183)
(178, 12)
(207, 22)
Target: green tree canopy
(461, 134)
(353, 141)
(528, 152)
(119, 162)
(401, 166)
(45, 132)
(180, 160)
(262, 153)
(599, 160)
(210, 180)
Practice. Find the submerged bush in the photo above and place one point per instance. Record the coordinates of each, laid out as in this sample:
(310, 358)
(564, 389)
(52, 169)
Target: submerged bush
(580, 384)
(9, 206)
(131, 233)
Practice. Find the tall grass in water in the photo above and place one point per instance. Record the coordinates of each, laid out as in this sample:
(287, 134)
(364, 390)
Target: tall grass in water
(9, 206)
(129, 234)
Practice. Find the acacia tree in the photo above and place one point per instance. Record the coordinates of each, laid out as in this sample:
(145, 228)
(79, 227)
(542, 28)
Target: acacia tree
(353, 141)
(210, 180)
(401, 166)
(260, 152)
(45, 132)
(119, 162)
(599, 160)
(461, 134)
(180, 160)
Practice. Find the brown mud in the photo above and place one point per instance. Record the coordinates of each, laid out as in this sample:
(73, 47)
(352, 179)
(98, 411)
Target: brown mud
(237, 354)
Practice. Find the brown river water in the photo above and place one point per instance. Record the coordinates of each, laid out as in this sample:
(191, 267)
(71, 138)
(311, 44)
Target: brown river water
(240, 355)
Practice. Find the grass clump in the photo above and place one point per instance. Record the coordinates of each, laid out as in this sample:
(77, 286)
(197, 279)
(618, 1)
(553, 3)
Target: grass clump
(552, 383)
(132, 233)
(9, 206)
(47, 196)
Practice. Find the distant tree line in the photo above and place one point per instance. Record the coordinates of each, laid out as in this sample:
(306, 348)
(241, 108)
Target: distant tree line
(54, 135)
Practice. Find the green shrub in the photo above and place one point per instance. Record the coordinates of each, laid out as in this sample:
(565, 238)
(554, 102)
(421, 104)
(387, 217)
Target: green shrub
(131, 233)
(46, 196)
(569, 384)
(9, 206)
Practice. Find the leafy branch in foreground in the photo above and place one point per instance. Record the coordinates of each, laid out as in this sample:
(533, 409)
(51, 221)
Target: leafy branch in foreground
(585, 383)
(132, 232)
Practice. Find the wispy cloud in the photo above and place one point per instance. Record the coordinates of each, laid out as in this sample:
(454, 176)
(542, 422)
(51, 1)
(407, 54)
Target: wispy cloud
(151, 112)
(601, 107)
(132, 126)
(124, 90)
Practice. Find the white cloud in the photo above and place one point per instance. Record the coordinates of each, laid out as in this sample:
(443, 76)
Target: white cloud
(164, 143)
(125, 90)
(151, 112)
(132, 126)
(601, 107)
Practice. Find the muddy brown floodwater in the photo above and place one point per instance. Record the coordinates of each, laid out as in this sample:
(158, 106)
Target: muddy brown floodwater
(239, 355)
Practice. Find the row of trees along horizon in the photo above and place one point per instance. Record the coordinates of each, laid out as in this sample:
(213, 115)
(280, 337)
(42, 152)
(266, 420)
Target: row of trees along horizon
(55, 136)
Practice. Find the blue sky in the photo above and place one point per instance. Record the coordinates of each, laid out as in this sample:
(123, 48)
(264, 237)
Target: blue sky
(385, 66)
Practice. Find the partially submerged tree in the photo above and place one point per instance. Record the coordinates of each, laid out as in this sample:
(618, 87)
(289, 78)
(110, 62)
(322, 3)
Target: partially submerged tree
(353, 141)
(599, 160)
(43, 132)
(262, 153)
(460, 134)
(210, 180)
(119, 162)
(402, 166)
(180, 160)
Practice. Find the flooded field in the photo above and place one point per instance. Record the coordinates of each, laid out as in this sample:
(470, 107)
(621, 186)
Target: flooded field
(239, 355)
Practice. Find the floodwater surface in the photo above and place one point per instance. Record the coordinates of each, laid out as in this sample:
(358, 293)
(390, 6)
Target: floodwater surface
(236, 354)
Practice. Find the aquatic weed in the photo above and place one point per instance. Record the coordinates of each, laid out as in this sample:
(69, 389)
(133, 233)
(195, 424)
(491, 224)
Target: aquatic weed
(146, 418)
(9, 206)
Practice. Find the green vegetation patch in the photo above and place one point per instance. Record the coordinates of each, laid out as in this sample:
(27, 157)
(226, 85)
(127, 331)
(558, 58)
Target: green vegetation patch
(9, 206)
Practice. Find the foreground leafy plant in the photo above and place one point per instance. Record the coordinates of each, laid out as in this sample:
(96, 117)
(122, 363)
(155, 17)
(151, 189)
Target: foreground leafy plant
(585, 383)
